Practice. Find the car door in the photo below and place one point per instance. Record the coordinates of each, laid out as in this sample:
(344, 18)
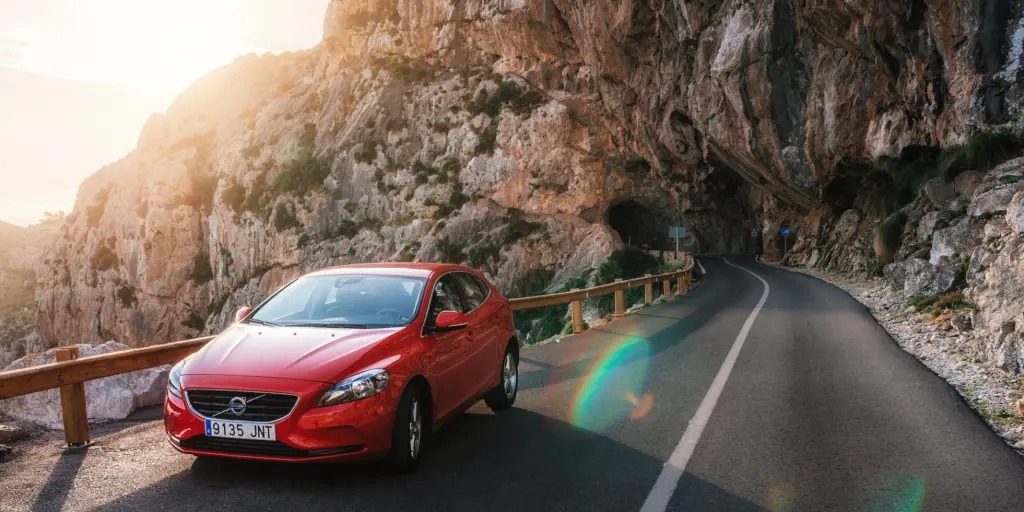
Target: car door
(482, 342)
(445, 353)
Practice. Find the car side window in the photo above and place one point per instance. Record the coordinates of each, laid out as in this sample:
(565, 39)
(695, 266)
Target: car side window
(445, 298)
(473, 290)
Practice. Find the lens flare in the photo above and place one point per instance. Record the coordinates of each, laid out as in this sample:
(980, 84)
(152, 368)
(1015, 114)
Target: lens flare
(641, 406)
(780, 499)
(899, 492)
(618, 374)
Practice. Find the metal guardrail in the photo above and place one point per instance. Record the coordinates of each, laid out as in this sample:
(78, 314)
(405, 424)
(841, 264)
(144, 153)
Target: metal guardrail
(70, 372)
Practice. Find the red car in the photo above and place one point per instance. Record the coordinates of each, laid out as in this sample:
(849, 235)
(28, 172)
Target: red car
(354, 362)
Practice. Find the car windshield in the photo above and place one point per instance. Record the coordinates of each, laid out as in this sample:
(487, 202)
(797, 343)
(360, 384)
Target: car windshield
(357, 301)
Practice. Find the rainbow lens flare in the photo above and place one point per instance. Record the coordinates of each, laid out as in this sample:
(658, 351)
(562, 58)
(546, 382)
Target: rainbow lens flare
(614, 387)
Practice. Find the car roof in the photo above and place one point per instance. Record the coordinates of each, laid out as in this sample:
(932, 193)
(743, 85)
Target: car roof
(417, 269)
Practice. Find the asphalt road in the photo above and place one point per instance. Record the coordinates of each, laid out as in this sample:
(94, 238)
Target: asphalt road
(818, 410)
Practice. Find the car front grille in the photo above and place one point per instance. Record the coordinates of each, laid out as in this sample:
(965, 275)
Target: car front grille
(261, 448)
(261, 407)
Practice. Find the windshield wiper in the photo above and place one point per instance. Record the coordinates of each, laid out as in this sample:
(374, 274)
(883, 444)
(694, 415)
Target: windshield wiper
(340, 326)
(263, 322)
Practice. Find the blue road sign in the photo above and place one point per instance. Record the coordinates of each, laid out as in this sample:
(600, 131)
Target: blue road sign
(785, 232)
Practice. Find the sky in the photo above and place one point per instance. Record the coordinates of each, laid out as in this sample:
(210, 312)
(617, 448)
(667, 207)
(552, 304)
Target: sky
(79, 79)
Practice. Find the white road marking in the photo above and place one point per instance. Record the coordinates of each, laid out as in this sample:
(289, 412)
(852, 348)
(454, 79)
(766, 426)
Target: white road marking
(665, 486)
(702, 271)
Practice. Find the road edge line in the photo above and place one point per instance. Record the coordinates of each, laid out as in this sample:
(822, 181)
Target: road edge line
(660, 495)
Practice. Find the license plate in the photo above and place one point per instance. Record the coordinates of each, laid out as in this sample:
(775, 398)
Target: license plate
(238, 430)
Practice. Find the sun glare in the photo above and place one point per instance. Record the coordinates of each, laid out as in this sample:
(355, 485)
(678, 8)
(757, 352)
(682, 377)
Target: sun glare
(155, 46)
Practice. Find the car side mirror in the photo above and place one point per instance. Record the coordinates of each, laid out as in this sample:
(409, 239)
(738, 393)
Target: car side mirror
(448, 321)
(242, 313)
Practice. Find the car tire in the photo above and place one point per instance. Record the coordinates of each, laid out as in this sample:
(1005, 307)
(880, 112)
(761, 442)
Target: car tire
(504, 394)
(409, 434)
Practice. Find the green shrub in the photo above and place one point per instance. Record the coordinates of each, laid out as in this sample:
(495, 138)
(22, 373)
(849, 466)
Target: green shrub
(480, 255)
(305, 173)
(104, 258)
(533, 282)
(407, 70)
(519, 229)
(987, 149)
(302, 241)
(923, 300)
(126, 296)
(202, 273)
(346, 229)
(367, 152)
(234, 196)
(284, 219)
(252, 151)
(487, 140)
(507, 94)
(450, 252)
(950, 302)
(194, 322)
(429, 202)
(351, 251)
(451, 166)
(227, 260)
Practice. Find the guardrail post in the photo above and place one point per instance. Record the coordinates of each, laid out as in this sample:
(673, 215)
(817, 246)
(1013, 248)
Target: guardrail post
(666, 287)
(620, 300)
(72, 404)
(576, 307)
(648, 291)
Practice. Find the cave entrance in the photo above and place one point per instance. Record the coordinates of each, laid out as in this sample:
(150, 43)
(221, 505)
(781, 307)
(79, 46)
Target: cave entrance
(638, 226)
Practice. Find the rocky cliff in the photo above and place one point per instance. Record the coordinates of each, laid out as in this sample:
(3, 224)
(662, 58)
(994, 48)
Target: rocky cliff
(518, 134)
(20, 251)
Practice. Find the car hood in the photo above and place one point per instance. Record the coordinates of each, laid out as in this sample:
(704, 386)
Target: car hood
(302, 353)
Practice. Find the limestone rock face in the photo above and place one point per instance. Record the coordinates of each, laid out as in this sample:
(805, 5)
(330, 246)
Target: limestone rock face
(110, 398)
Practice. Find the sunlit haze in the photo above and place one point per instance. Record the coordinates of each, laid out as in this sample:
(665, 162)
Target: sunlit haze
(78, 79)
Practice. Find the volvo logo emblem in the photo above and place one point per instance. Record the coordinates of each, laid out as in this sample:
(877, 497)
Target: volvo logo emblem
(237, 405)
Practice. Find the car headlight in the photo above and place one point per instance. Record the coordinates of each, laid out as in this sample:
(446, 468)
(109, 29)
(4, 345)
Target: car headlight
(174, 380)
(356, 387)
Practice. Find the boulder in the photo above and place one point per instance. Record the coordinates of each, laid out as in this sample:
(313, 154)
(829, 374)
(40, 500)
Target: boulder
(956, 239)
(929, 223)
(1015, 213)
(944, 275)
(107, 399)
(961, 323)
(893, 274)
(918, 275)
(11, 433)
(991, 202)
(967, 182)
(980, 259)
(939, 191)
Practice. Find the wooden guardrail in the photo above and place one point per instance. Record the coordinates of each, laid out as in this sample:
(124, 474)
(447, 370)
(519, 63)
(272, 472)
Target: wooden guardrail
(70, 372)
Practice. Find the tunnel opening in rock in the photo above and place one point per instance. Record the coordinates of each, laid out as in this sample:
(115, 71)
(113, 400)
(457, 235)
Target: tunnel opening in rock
(638, 226)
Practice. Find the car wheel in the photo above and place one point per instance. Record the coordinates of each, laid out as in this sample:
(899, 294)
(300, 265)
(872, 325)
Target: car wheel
(409, 433)
(504, 394)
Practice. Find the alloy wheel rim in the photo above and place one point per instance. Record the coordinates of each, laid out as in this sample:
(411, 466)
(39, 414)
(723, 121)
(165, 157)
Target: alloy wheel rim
(510, 376)
(415, 423)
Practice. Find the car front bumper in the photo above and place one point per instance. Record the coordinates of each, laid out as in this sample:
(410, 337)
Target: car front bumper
(356, 430)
